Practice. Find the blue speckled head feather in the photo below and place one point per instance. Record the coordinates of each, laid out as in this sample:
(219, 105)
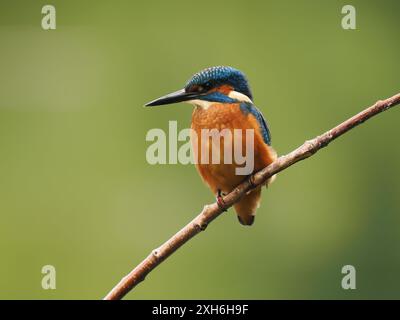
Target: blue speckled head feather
(217, 76)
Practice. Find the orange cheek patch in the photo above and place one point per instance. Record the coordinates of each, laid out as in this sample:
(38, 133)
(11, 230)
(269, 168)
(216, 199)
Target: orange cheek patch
(224, 89)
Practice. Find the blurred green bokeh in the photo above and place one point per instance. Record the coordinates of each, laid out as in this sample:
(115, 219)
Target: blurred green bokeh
(76, 191)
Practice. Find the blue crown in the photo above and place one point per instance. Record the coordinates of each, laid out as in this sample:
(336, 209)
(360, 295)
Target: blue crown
(217, 76)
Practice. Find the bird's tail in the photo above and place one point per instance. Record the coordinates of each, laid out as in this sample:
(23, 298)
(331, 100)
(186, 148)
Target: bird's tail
(247, 206)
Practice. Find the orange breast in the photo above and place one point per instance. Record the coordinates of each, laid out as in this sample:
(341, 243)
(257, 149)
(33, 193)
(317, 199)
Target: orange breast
(226, 117)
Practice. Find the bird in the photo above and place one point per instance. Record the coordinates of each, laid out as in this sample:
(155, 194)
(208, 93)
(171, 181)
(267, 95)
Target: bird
(222, 99)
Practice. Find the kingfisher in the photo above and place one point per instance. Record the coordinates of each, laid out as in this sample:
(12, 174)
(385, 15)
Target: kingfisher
(222, 100)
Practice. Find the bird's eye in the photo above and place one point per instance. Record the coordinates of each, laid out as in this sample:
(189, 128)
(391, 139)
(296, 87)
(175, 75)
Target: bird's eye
(200, 88)
(206, 86)
(195, 88)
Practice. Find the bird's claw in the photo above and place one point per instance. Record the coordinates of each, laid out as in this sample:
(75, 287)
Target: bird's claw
(251, 181)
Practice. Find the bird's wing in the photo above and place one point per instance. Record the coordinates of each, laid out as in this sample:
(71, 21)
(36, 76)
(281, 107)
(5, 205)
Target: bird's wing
(250, 108)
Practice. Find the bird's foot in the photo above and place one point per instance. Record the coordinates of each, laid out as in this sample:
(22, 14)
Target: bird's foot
(220, 200)
(251, 181)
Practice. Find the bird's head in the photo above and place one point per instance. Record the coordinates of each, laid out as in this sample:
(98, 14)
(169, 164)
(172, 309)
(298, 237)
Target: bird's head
(215, 84)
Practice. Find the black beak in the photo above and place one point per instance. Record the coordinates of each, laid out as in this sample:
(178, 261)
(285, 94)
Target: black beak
(174, 97)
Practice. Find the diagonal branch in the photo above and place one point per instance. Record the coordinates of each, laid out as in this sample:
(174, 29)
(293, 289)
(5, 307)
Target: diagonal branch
(210, 212)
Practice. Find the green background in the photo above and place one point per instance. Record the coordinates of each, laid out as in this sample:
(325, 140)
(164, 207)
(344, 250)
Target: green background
(76, 191)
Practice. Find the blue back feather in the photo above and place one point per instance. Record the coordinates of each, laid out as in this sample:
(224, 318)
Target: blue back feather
(247, 108)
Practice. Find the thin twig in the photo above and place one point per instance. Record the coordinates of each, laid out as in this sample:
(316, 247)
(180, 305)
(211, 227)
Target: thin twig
(210, 212)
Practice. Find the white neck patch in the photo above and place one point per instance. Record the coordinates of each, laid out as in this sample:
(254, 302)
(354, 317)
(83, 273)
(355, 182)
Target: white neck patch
(240, 97)
(201, 103)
